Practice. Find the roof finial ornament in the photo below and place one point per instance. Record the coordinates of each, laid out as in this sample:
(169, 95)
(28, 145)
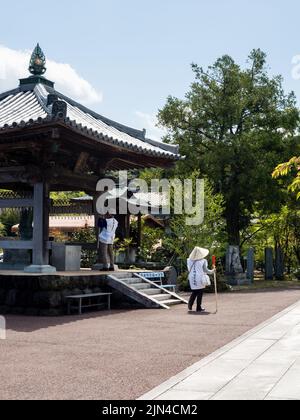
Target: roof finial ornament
(37, 62)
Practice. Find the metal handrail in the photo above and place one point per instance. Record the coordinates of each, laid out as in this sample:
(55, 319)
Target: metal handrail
(161, 288)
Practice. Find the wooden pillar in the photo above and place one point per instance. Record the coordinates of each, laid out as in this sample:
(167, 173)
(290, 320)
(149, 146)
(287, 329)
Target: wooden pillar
(98, 266)
(40, 254)
(38, 228)
(46, 221)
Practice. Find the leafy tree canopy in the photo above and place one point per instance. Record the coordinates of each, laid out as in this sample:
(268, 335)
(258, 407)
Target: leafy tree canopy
(209, 234)
(287, 168)
(235, 125)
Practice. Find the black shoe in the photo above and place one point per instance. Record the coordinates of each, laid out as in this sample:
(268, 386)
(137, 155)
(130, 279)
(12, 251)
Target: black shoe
(200, 310)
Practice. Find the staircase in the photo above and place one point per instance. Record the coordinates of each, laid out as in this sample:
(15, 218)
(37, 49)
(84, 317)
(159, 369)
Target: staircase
(143, 291)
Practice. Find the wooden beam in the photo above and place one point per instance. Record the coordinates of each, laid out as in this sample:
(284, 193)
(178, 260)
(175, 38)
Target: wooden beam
(18, 174)
(101, 149)
(16, 203)
(9, 147)
(16, 244)
(12, 174)
(11, 179)
(12, 169)
(68, 183)
(55, 134)
(60, 176)
(81, 162)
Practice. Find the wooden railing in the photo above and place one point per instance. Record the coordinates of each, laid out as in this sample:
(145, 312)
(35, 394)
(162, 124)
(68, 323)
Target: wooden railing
(9, 244)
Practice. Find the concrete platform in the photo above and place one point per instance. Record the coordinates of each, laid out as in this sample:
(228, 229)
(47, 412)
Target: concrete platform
(263, 364)
(44, 294)
(83, 272)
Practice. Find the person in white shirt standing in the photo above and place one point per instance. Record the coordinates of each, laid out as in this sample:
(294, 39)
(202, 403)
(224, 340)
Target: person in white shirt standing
(108, 227)
(198, 276)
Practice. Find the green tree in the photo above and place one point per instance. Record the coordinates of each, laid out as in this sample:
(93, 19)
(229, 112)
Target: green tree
(285, 169)
(235, 125)
(278, 230)
(210, 234)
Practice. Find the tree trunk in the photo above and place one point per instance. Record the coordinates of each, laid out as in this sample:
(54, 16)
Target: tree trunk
(232, 216)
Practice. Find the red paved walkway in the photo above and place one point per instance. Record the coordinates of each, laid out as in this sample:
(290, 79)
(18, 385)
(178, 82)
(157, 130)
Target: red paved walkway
(121, 355)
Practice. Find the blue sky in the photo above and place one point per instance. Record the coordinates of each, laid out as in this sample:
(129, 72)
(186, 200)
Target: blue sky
(136, 52)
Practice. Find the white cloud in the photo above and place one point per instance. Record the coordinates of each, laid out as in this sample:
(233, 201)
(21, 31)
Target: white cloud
(14, 65)
(150, 124)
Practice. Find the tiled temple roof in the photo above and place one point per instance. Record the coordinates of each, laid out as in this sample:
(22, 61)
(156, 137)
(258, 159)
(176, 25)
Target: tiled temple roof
(29, 105)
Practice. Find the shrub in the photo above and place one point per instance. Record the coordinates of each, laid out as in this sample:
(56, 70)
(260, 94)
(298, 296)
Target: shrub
(88, 256)
(8, 219)
(2, 230)
(184, 286)
(183, 282)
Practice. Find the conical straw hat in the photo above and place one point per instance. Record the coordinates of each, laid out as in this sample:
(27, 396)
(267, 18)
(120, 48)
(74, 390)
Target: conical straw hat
(199, 254)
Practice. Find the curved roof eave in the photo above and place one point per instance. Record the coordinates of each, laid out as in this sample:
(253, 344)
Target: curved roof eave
(140, 134)
(18, 112)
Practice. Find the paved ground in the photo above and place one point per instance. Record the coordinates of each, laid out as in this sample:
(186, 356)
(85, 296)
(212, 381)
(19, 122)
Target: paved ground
(264, 364)
(123, 355)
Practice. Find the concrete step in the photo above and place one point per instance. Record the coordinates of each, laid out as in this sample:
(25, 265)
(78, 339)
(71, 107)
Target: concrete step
(133, 280)
(161, 298)
(171, 302)
(143, 292)
(123, 275)
(141, 286)
(150, 292)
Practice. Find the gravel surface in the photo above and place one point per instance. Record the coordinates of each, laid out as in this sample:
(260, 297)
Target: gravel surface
(122, 354)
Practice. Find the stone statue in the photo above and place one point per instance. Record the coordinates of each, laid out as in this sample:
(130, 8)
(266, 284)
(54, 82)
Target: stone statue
(235, 266)
(235, 274)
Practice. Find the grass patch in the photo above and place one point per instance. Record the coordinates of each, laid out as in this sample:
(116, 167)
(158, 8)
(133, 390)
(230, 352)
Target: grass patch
(268, 285)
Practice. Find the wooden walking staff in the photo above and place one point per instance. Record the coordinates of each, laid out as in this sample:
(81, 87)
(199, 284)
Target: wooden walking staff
(214, 263)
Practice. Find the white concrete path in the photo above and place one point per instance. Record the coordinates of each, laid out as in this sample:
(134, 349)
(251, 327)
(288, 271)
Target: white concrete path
(263, 364)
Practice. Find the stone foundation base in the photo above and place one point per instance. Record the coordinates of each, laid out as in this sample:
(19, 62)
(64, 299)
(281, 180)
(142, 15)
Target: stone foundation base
(45, 295)
(40, 269)
(238, 280)
(101, 267)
